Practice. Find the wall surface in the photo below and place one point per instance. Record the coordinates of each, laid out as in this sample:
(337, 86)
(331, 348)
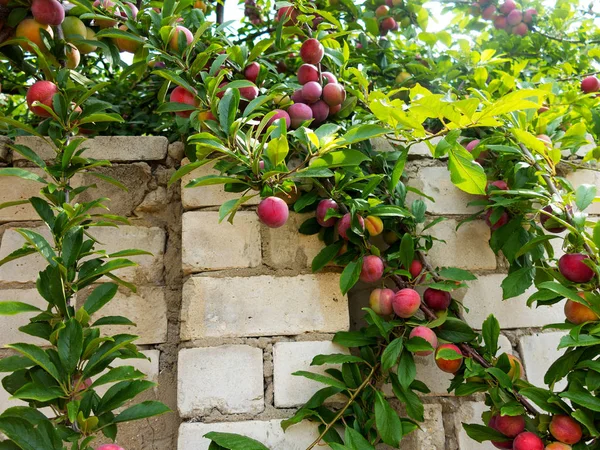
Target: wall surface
(227, 312)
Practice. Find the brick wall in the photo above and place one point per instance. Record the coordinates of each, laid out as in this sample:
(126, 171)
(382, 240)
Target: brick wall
(227, 312)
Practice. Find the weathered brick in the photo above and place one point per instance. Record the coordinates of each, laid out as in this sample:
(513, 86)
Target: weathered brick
(270, 433)
(419, 150)
(14, 189)
(148, 271)
(4, 150)
(430, 436)
(470, 413)
(484, 297)
(466, 248)
(210, 245)
(290, 357)
(435, 182)
(262, 306)
(214, 195)
(147, 309)
(228, 378)
(10, 324)
(285, 247)
(113, 148)
(539, 351)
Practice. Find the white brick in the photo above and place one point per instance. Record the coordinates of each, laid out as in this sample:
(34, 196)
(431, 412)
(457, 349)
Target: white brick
(285, 247)
(147, 366)
(470, 413)
(539, 351)
(148, 271)
(290, 357)
(297, 437)
(10, 324)
(113, 148)
(214, 195)
(435, 182)
(431, 435)
(210, 245)
(228, 378)
(147, 309)
(484, 297)
(262, 306)
(13, 189)
(467, 248)
(422, 149)
(580, 177)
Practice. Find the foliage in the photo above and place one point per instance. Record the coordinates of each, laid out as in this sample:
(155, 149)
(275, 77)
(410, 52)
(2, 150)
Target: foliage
(505, 111)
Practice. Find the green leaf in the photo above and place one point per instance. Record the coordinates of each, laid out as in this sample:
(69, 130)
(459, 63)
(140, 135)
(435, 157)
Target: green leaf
(561, 290)
(21, 173)
(465, 173)
(23, 434)
(14, 363)
(17, 254)
(362, 133)
(12, 308)
(350, 275)
(398, 170)
(407, 250)
(326, 255)
(337, 358)
(455, 274)
(113, 320)
(584, 196)
(29, 154)
(142, 411)
(234, 441)
(491, 331)
(390, 355)
(278, 149)
(70, 345)
(40, 393)
(321, 379)
(414, 405)
(356, 441)
(582, 398)
(387, 421)
(517, 282)
(481, 433)
(389, 211)
(99, 297)
(121, 373)
(38, 356)
(456, 331)
(407, 370)
(353, 339)
(341, 158)
(38, 242)
(227, 109)
(209, 180)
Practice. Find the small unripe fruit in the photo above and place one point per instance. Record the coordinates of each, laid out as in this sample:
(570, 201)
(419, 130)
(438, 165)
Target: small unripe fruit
(427, 334)
(507, 7)
(390, 237)
(578, 313)
(345, 222)
(590, 84)
(448, 365)
(515, 17)
(572, 267)
(334, 94)
(372, 269)
(382, 11)
(374, 225)
(31, 29)
(43, 92)
(320, 111)
(502, 220)
(520, 29)
(402, 77)
(74, 28)
(126, 45)
(436, 299)
(529, 14)
(48, 12)
(406, 303)
(174, 42)
(306, 73)
(181, 95)
(299, 113)
(380, 301)
(312, 91)
(528, 441)
(312, 51)
(73, 56)
(488, 13)
(415, 268)
(548, 222)
(329, 77)
(280, 114)
(322, 208)
(273, 212)
(515, 364)
(510, 426)
(565, 429)
(252, 71)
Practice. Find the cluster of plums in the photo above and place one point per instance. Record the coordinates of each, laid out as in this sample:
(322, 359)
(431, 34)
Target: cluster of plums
(562, 428)
(506, 16)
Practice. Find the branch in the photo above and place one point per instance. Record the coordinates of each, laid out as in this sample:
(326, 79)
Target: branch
(565, 40)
